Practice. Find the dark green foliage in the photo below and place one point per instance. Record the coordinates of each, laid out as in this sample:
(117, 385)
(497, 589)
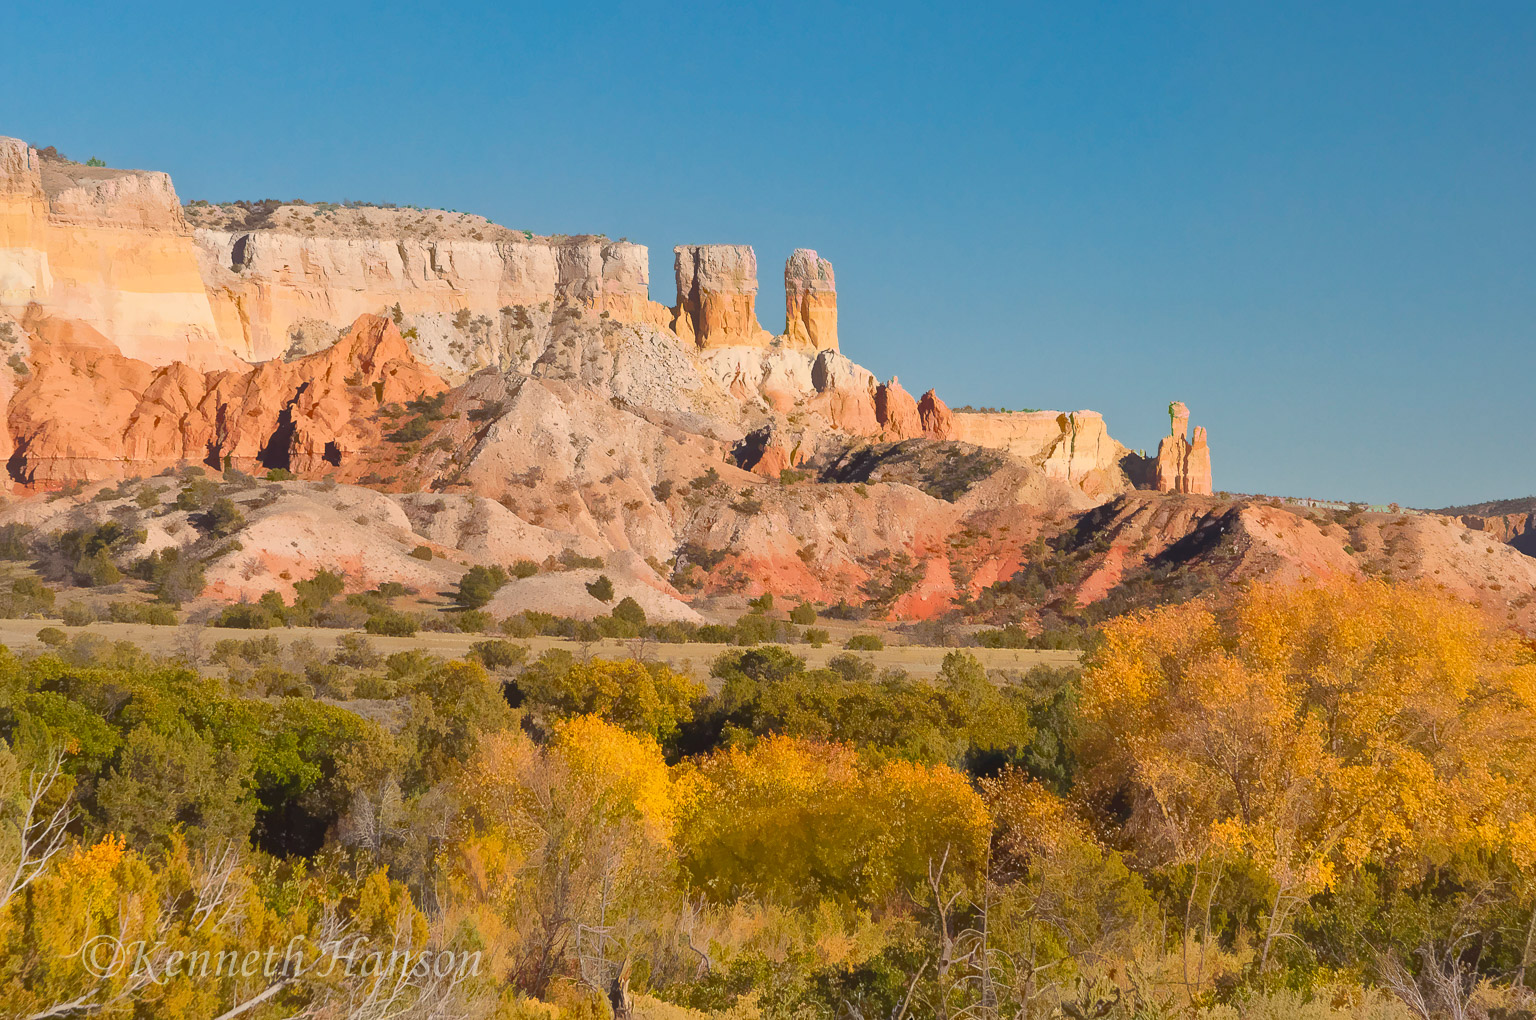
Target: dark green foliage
(392, 623)
(498, 654)
(803, 614)
(962, 718)
(601, 589)
(422, 552)
(88, 554)
(524, 568)
(479, 585)
(53, 637)
(173, 577)
(246, 616)
(198, 493)
(865, 643)
(14, 544)
(629, 611)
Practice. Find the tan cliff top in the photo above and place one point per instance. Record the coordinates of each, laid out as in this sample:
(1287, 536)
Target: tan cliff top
(329, 219)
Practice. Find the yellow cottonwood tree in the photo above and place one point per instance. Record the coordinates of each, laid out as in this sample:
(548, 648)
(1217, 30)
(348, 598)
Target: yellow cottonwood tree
(1311, 729)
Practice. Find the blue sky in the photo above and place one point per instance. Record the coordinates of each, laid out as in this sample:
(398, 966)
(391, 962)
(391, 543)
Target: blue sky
(1314, 223)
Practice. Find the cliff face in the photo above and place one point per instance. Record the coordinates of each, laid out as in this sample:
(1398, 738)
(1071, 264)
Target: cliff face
(267, 287)
(810, 301)
(89, 412)
(1183, 464)
(717, 296)
(109, 249)
(1075, 447)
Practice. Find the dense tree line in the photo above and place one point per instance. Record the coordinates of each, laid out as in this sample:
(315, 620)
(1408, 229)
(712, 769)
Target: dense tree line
(1313, 801)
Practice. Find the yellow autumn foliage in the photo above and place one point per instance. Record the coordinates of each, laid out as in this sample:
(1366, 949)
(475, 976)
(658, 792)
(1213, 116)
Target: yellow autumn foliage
(800, 820)
(1313, 728)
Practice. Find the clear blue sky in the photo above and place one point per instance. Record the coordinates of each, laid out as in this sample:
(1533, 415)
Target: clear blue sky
(1315, 223)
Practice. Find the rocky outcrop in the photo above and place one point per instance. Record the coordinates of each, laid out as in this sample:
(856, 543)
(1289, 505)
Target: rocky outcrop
(937, 419)
(109, 249)
(768, 452)
(1183, 464)
(810, 301)
(1075, 446)
(896, 411)
(717, 295)
(89, 412)
(270, 287)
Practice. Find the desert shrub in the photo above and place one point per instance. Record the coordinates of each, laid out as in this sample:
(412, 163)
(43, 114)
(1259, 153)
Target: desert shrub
(53, 637)
(172, 576)
(763, 603)
(816, 637)
(246, 616)
(864, 643)
(498, 654)
(88, 554)
(601, 589)
(14, 544)
(341, 617)
(479, 585)
(77, 614)
(524, 568)
(197, 493)
(28, 597)
(139, 612)
(629, 611)
(804, 614)
(518, 626)
(422, 552)
(280, 475)
(392, 623)
(473, 621)
(570, 559)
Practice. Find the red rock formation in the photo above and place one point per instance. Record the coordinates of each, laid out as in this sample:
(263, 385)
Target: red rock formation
(1183, 465)
(716, 293)
(768, 452)
(937, 419)
(896, 411)
(810, 301)
(87, 412)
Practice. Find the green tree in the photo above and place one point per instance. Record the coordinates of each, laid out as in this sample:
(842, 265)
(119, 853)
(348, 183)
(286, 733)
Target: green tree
(601, 589)
(479, 585)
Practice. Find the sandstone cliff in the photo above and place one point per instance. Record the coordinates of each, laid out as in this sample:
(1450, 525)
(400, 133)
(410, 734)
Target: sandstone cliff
(271, 288)
(1075, 447)
(110, 249)
(88, 412)
(717, 296)
(810, 301)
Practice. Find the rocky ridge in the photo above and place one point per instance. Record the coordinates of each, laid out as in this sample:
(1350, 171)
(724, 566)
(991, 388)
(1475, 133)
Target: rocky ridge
(509, 396)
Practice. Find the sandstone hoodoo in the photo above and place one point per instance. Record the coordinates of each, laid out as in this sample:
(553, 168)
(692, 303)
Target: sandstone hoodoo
(717, 295)
(1183, 464)
(810, 301)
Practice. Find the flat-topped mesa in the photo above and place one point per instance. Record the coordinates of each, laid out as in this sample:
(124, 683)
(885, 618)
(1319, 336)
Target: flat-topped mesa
(1183, 465)
(716, 296)
(109, 249)
(810, 301)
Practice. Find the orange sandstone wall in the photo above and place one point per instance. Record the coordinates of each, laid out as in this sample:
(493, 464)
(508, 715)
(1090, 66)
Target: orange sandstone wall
(107, 248)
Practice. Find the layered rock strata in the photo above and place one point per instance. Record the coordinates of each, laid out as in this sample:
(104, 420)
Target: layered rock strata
(810, 301)
(109, 249)
(716, 296)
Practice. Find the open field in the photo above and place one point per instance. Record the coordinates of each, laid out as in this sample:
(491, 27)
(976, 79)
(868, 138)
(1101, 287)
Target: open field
(919, 660)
